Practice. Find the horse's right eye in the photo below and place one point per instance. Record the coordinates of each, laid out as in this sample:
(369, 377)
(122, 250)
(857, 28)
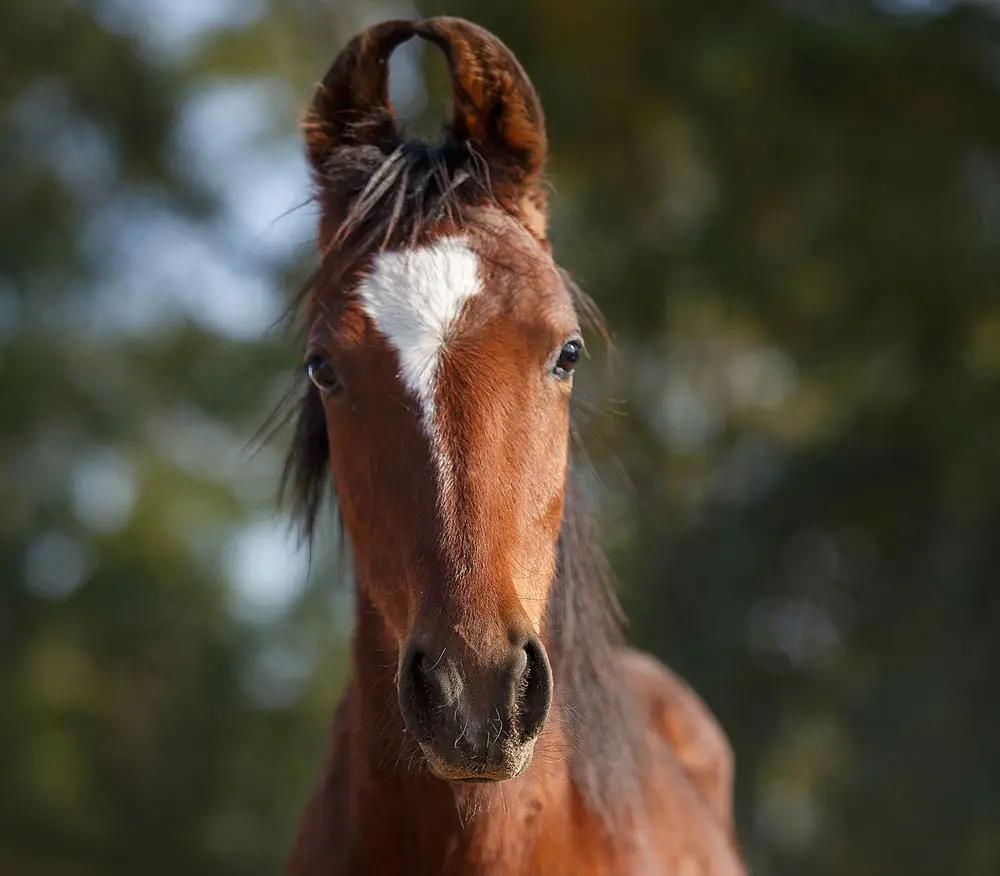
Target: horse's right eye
(322, 374)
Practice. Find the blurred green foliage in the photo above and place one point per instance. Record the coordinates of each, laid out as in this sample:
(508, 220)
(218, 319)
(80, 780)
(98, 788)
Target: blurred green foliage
(790, 213)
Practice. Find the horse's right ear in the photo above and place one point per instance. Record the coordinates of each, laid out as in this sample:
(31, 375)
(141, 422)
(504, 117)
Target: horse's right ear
(351, 105)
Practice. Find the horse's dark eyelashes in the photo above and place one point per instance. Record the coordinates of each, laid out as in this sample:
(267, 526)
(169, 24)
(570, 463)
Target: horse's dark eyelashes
(568, 358)
(322, 374)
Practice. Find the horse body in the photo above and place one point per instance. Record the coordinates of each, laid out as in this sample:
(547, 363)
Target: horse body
(494, 722)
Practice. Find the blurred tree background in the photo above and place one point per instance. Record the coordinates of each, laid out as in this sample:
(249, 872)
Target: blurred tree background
(790, 213)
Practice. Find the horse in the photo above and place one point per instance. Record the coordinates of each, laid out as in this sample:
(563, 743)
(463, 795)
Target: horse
(494, 720)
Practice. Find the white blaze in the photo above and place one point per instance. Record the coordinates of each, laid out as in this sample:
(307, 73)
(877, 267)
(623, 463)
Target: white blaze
(414, 298)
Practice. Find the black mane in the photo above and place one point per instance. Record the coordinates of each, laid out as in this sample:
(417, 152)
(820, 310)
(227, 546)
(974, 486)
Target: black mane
(390, 200)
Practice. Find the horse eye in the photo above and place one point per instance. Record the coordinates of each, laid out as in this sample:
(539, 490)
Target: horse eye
(322, 374)
(568, 358)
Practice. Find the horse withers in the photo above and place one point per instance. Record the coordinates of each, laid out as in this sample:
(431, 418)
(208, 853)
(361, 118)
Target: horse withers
(494, 722)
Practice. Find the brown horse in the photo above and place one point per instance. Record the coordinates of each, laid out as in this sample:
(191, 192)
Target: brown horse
(494, 722)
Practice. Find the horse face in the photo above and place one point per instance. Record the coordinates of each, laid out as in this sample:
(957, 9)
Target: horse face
(443, 360)
(445, 372)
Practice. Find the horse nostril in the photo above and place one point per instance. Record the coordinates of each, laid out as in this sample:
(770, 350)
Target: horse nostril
(417, 673)
(426, 686)
(416, 694)
(535, 687)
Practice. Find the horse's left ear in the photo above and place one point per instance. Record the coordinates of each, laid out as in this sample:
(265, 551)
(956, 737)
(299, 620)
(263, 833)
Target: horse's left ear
(496, 113)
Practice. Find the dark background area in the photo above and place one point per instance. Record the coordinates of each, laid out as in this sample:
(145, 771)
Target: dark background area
(790, 214)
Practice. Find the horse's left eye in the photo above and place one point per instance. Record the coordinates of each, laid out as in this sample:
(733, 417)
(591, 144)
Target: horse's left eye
(569, 356)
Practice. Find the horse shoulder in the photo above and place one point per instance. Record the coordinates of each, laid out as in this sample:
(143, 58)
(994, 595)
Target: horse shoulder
(678, 715)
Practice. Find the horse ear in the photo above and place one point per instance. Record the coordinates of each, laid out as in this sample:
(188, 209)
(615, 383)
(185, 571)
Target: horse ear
(498, 114)
(351, 106)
